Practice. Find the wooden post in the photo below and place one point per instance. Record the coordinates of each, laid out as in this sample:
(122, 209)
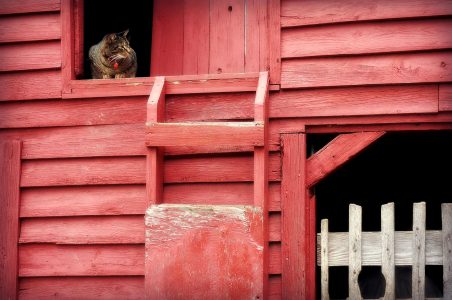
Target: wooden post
(354, 250)
(446, 213)
(324, 259)
(387, 249)
(294, 216)
(9, 217)
(418, 275)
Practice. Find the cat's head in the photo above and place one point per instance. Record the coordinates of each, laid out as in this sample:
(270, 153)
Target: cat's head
(116, 46)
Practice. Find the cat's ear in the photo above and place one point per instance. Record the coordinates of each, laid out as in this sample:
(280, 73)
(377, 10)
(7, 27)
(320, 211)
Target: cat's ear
(125, 34)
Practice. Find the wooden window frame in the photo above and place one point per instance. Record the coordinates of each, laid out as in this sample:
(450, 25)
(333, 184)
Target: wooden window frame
(72, 62)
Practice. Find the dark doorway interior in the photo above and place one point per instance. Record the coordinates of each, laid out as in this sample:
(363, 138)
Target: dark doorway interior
(400, 167)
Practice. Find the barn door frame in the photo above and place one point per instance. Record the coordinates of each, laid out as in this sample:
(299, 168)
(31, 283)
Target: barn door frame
(298, 203)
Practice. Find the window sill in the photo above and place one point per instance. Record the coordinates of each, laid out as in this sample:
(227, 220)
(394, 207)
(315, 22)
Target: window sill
(141, 86)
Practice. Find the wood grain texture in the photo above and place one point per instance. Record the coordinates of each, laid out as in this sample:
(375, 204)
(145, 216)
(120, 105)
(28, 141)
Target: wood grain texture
(83, 230)
(372, 100)
(227, 36)
(83, 201)
(77, 260)
(108, 200)
(10, 165)
(371, 248)
(104, 288)
(30, 27)
(371, 69)
(8, 7)
(445, 97)
(365, 38)
(205, 133)
(274, 258)
(167, 38)
(446, 219)
(30, 85)
(294, 217)
(196, 37)
(274, 287)
(274, 40)
(337, 152)
(354, 250)
(324, 265)
(30, 56)
(199, 250)
(419, 251)
(309, 12)
(387, 246)
(256, 34)
(50, 113)
(131, 170)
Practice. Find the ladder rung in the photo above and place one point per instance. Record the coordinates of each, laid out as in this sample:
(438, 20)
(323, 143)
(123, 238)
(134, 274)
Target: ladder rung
(205, 133)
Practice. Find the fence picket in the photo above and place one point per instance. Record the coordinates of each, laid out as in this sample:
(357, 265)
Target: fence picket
(354, 250)
(324, 259)
(418, 274)
(446, 216)
(387, 246)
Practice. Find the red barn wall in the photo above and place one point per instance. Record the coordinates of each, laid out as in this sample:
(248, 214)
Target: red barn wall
(83, 169)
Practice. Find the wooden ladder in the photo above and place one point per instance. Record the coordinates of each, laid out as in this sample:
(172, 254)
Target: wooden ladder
(237, 136)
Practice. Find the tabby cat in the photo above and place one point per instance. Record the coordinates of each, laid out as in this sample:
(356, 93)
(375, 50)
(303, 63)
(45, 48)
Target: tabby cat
(113, 57)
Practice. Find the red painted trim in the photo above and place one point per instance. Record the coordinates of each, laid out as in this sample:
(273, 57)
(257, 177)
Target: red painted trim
(274, 40)
(9, 217)
(67, 44)
(295, 218)
(337, 152)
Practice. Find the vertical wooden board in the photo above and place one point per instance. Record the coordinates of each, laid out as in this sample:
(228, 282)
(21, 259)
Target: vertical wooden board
(418, 271)
(227, 36)
(100, 288)
(197, 251)
(167, 38)
(445, 97)
(255, 35)
(9, 217)
(294, 216)
(274, 40)
(387, 246)
(196, 36)
(311, 245)
(446, 216)
(324, 260)
(354, 254)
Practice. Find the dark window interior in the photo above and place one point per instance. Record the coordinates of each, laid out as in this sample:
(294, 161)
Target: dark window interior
(108, 16)
(400, 167)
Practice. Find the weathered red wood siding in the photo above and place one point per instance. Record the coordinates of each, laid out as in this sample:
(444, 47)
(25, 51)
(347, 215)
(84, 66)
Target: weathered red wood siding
(83, 160)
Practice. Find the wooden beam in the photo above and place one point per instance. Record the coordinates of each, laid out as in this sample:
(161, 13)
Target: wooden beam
(294, 216)
(337, 152)
(205, 133)
(154, 155)
(9, 217)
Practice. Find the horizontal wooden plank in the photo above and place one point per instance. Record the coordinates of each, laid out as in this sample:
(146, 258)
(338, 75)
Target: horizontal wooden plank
(30, 56)
(8, 7)
(33, 27)
(372, 100)
(131, 199)
(205, 133)
(274, 258)
(131, 170)
(102, 288)
(445, 97)
(30, 85)
(308, 12)
(83, 230)
(51, 113)
(274, 227)
(78, 260)
(365, 38)
(371, 248)
(97, 260)
(362, 70)
(274, 287)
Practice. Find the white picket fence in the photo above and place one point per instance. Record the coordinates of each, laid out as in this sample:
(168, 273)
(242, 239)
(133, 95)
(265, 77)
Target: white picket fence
(388, 249)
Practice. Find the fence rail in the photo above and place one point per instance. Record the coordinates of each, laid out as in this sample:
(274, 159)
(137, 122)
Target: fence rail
(388, 248)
